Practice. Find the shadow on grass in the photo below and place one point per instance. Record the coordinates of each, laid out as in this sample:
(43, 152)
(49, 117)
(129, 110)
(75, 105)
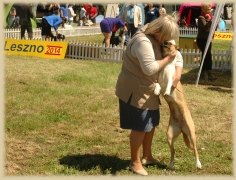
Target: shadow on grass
(106, 163)
(88, 162)
(224, 80)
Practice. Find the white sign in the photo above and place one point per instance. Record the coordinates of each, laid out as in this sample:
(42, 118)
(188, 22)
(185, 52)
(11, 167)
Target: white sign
(111, 10)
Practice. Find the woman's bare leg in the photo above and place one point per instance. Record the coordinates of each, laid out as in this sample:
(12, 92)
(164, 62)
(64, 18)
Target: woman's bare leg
(136, 140)
(107, 37)
(147, 143)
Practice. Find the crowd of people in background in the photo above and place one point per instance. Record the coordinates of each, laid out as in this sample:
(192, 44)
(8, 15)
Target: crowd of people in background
(77, 12)
(85, 14)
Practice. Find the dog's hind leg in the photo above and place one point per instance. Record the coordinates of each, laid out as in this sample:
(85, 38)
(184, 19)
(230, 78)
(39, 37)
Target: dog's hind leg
(173, 132)
(190, 132)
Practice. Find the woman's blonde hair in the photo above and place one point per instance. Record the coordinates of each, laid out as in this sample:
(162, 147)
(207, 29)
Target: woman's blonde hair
(205, 6)
(165, 26)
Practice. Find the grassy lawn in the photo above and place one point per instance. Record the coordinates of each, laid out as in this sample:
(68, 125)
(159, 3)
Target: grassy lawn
(61, 118)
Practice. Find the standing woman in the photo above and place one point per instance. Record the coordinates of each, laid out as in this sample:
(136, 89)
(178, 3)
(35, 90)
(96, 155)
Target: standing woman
(82, 14)
(51, 21)
(138, 105)
(11, 17)
(64, 11)
(162, 10)
(25, 13)
(151, 13)
(204, 25)
(71, 14)
(54, 8)
(109, 25)
(133, 16)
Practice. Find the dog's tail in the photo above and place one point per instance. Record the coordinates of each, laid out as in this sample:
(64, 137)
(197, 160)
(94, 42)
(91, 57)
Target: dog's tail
(186, 140)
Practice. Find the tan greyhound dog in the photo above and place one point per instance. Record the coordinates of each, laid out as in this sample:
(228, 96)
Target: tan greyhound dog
(180, 117)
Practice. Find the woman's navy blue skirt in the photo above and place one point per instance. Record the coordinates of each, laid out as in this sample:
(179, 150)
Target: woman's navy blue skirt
(137, 119)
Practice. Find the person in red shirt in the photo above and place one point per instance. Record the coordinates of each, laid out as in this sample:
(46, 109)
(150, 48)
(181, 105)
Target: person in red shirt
(92, 12)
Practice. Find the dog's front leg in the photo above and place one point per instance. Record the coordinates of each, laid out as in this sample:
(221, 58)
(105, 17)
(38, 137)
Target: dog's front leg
(168, 87)
(170, 71)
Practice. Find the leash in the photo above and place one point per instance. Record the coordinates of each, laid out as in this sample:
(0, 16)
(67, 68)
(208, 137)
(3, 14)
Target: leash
(179, 90)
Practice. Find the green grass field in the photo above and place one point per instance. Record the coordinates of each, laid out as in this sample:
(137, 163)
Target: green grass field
(61, 118)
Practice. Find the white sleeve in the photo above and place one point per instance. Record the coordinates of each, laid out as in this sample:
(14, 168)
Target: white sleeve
(179, 59)
(143, 50)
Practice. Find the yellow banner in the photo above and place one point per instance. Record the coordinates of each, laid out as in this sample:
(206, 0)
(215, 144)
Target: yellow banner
(223, 36)
(44, 49)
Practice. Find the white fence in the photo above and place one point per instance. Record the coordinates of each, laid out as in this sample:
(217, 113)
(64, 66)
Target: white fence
(193, 31)
(191, 58)
(80, 50)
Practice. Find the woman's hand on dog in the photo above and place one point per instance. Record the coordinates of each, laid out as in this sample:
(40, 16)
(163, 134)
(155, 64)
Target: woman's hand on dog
(172, 54)
(175, 83)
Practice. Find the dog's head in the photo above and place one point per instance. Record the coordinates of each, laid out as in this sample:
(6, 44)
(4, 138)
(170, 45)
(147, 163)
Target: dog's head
(58, 36)
(122, 32)
(61, 36)
(168, 46)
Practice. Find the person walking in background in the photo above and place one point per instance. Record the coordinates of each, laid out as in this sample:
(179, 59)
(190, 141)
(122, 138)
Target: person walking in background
(55, 9)
(133, 16)
(64, 11)
(162, 10)
(91, 12)
(82, 14)
(25, 13)
(11, 17)
(138, 105)
(101, 10)
(204, 25)
(182, 22)
(151, 13)
(117, 10)
(232, 20)
(51, 21)
(71, 14)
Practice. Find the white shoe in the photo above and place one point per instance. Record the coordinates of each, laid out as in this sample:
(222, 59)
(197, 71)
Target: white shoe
(142, 172)
(147, 162)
